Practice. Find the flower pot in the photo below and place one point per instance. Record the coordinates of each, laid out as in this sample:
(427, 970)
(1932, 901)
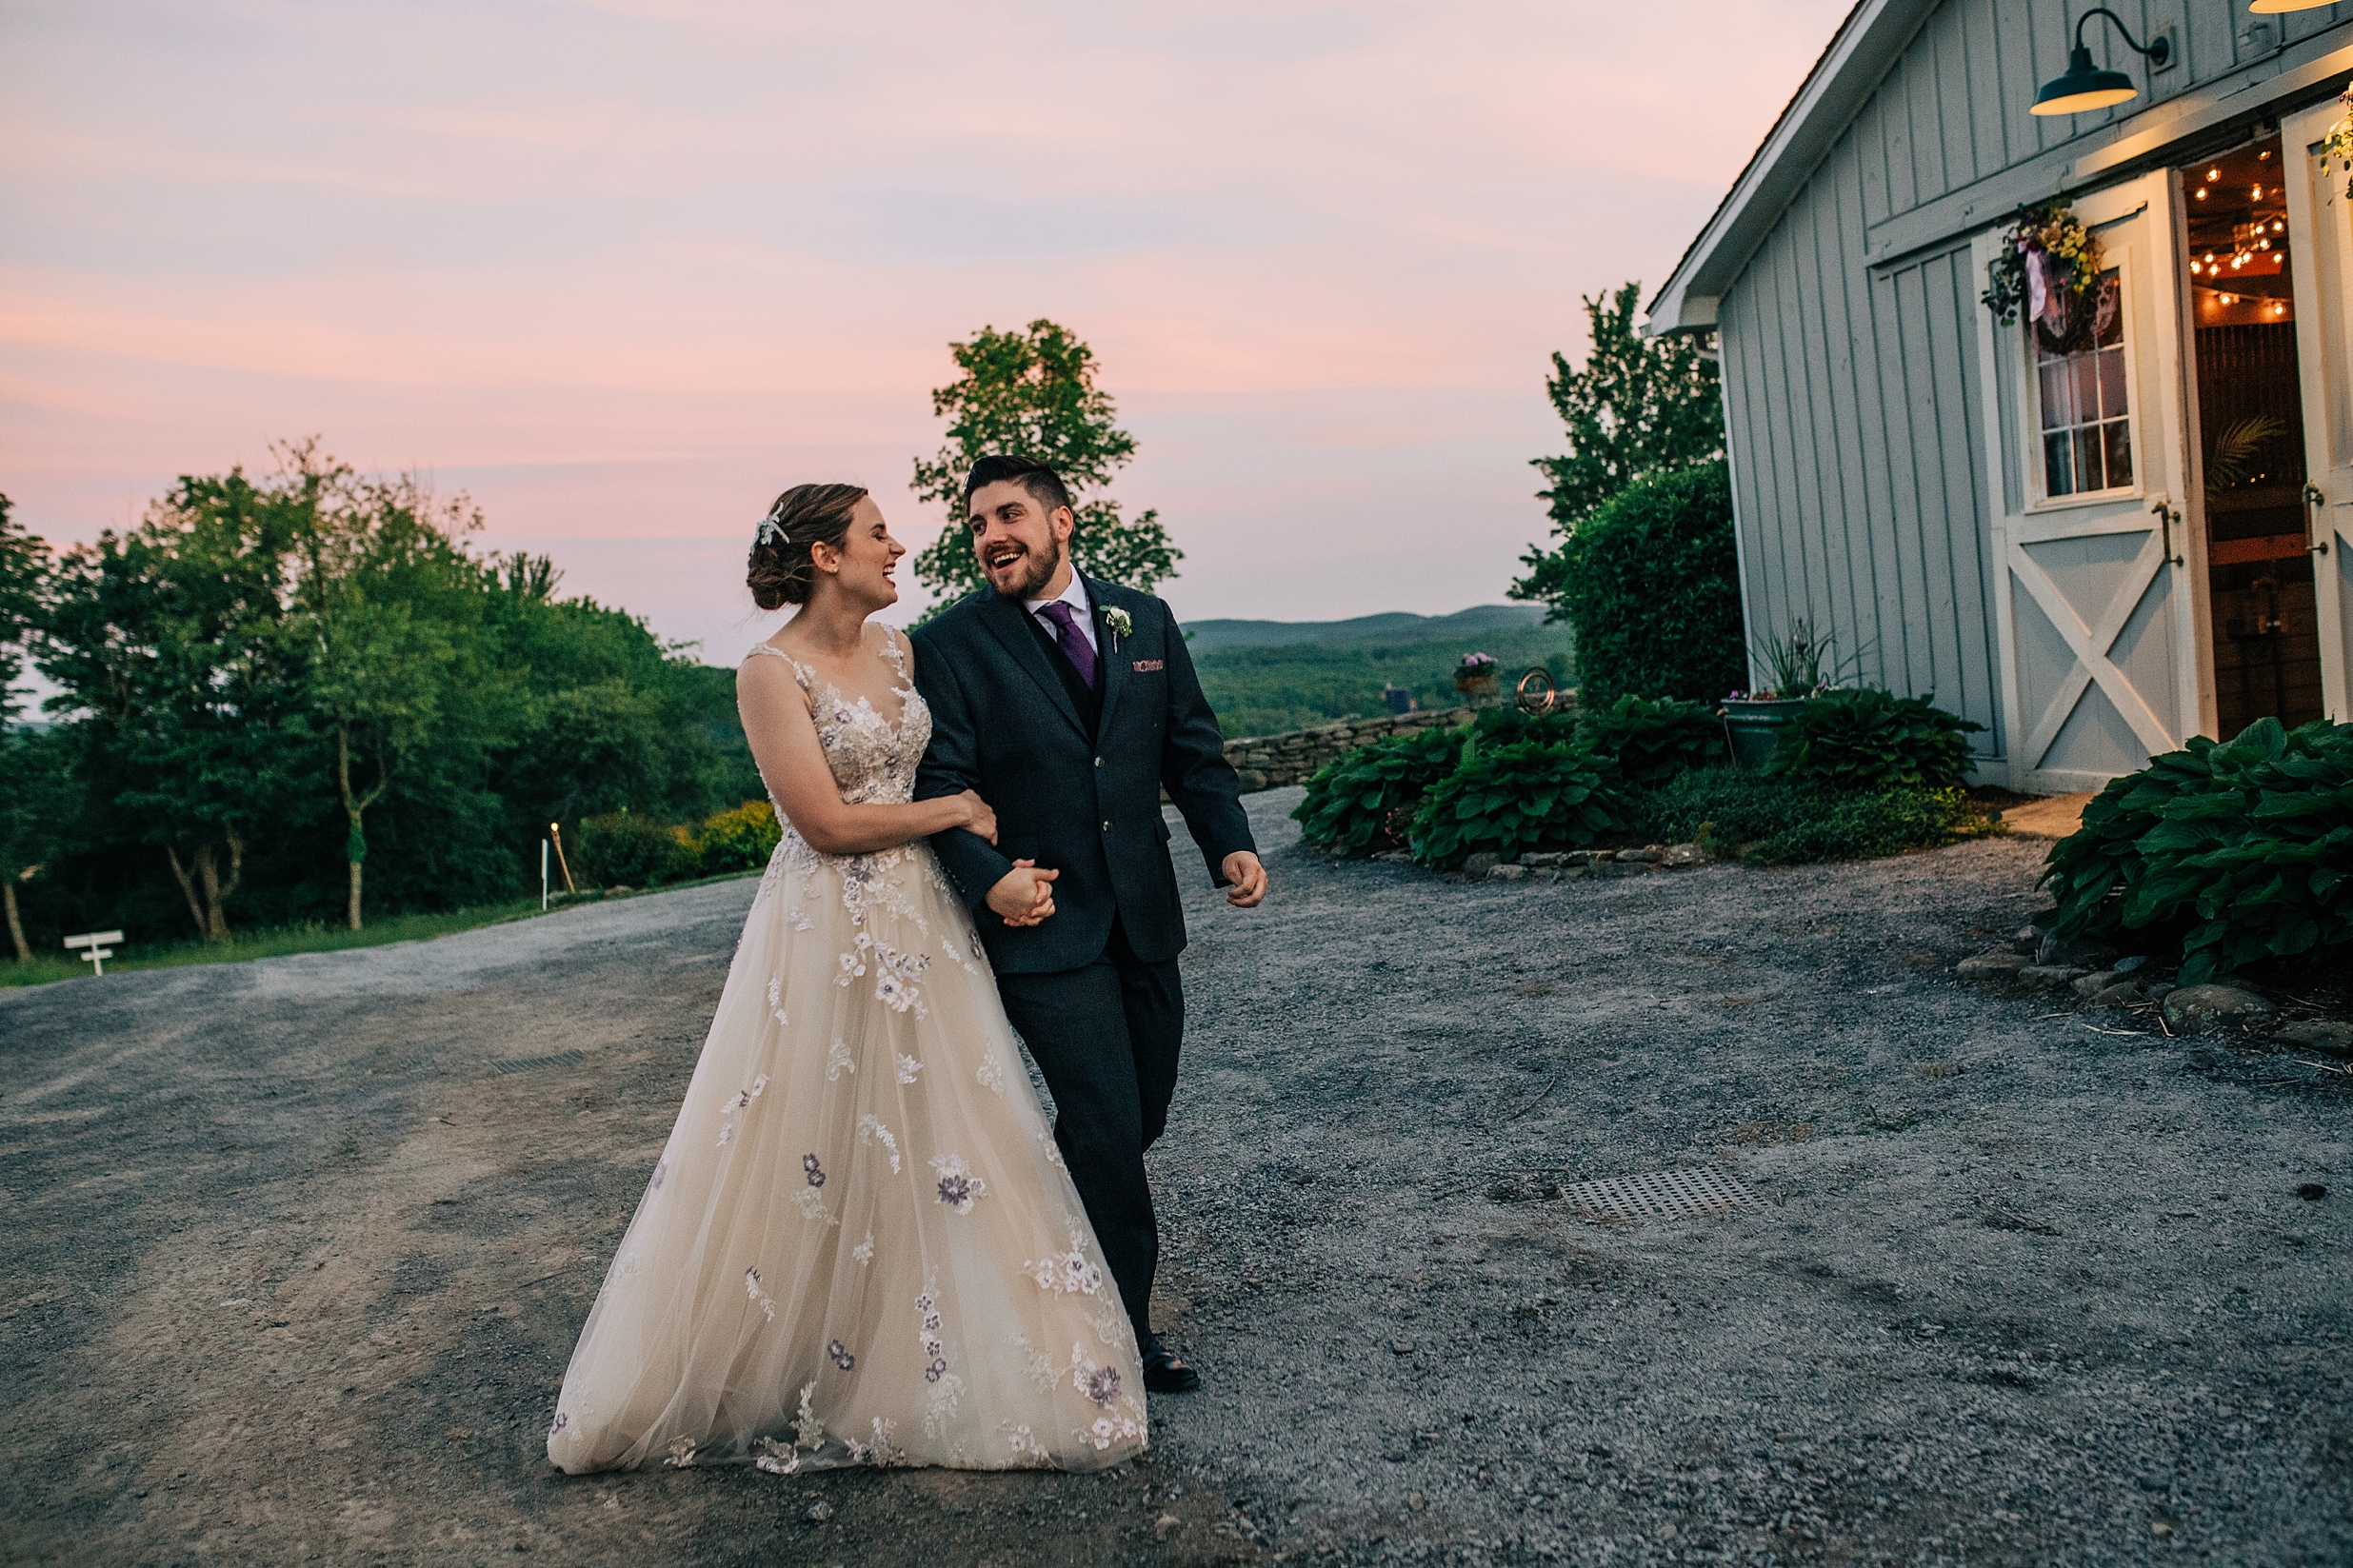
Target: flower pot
(1478, 686)
(1754, 727)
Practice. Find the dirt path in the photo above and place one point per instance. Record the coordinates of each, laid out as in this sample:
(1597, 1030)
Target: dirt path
(298, 1249)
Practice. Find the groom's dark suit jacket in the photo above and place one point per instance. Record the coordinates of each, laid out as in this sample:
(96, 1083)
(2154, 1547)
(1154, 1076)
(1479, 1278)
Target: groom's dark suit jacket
(1074, 775)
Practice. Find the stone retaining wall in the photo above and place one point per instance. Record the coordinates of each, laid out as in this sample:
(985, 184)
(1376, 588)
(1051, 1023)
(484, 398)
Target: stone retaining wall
(1269, 762)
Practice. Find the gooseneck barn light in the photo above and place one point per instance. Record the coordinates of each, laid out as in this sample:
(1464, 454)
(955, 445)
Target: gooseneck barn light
(2271, 8)
(2086, 85)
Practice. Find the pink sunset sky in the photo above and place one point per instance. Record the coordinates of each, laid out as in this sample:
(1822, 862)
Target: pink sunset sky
(622, 272)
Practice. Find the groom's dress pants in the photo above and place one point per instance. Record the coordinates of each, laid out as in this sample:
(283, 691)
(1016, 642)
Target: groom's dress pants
(1105, 1037)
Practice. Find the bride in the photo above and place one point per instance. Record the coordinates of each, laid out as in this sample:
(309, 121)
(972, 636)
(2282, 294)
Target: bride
(859, 1245)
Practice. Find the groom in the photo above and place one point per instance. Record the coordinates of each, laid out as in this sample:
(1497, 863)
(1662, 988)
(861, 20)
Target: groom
(1069, 705)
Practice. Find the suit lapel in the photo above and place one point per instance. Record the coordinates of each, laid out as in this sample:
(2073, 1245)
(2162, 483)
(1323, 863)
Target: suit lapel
(1006, 620)
(1115, 668)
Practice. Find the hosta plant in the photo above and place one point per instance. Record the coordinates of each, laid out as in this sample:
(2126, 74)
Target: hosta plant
(2244, 851)
(1358, 804)
(1514, 796)
(1868, 738)
(1648, 741)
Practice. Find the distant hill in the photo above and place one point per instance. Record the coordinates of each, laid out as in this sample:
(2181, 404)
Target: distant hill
(1266, 677)
(1398, 628)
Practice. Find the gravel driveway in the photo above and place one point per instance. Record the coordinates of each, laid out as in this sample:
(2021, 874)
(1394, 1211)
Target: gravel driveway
(297, 1249)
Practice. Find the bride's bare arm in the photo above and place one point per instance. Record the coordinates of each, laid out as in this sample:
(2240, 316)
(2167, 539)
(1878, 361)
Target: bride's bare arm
(784, 743)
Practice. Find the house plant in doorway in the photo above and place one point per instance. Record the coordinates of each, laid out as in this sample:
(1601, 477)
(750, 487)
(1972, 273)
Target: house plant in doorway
(1796, 667)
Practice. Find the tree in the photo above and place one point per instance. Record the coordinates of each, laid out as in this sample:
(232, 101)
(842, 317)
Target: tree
(167, 641)
(1640, 406)
(1033, 394)
(379, 595)
(28, 781)
(1651, 592)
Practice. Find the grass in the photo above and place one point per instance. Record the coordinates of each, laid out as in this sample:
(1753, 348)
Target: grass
(1271, 690)
(311, 936)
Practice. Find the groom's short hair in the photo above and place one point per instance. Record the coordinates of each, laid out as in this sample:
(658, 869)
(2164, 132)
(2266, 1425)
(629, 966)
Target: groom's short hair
(1044, 485)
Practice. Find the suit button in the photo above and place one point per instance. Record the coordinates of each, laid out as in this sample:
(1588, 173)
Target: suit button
(1098, 762)
(1106, 827)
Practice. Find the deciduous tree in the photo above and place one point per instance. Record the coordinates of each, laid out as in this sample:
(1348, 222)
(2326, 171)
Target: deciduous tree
(1033, 394)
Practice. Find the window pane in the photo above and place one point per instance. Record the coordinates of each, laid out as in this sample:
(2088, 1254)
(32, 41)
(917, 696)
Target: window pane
(2107, 310)
(2111, 384)
(2120, 452)
(2087, 464)
(2057, 408)
(2086, 370)
(2058, 465)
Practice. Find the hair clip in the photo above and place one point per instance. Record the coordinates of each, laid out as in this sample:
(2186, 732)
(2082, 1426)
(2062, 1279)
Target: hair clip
(770, 531)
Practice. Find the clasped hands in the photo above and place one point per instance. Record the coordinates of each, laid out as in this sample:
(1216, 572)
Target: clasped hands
(1025, 896)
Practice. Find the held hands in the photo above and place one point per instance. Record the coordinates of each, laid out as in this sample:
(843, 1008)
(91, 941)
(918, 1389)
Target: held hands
(981, 819)
(1024, 896)
(1247, 879)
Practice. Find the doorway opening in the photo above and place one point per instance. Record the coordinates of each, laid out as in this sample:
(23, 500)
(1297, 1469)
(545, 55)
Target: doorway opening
(2261, 594)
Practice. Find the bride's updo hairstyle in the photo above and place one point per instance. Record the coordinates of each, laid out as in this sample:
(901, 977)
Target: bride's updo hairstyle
(780, 572)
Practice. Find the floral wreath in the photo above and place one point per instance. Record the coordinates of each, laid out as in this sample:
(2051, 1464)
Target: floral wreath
(2046, 249)
(2337, 143)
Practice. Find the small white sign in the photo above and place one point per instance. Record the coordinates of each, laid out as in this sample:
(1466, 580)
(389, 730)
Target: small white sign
(95, 948)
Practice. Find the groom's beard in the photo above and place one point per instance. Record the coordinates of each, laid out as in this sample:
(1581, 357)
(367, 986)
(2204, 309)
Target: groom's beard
(1024, 576)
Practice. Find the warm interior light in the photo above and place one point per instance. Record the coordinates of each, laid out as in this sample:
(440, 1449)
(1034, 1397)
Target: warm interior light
(2259, 193)
(2214, 173)
(2201, 193)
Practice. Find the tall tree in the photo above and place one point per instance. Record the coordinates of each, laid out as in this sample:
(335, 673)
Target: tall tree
(1639, 406)
(1033, 394)
(168, 642)
(381, 605)
(27, 772)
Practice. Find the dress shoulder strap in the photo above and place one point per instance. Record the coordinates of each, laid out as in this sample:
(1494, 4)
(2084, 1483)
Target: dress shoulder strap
(800, 671)
(892, 652)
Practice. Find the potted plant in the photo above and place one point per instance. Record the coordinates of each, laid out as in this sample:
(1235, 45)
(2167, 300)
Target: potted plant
(1475, 677)
(1794, 666)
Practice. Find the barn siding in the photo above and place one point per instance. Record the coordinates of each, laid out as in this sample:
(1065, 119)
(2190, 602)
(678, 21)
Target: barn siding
(1851, 409)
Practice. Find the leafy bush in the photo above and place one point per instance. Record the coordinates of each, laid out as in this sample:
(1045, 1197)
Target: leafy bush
(1357, 803)
(1869, 739)
(1649, 741)
(1513, 796)
(1650, 585)
(2244, 851)
(741, 839)
(1509, 723)
(619, 850)
(1784, 822)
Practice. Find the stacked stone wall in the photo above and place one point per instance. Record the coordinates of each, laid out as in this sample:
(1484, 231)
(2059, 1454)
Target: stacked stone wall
(1269, 762)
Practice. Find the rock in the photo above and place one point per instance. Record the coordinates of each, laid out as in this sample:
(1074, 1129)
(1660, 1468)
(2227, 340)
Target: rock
(1682, 854)
(2092, 985)
(2081, 951)
(819, 1512)
(1995, 965)
(2132, 966)
(1569, 873)
(2027, 939)
(2159, 991)
(2123, 994)
(1481, 864)
(1163, 1526)
(2311, 1192)
(1543, 858)
(1402, 1347)
(1395, 856)
(1506, 873)
(2336, 1038)
(2202, 1009)
(2045, 977)
(1649, 855)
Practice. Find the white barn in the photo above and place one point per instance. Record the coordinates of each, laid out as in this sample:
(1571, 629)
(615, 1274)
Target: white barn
(2097, 534)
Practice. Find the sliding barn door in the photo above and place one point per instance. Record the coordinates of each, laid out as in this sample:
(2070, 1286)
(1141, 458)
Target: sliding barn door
(2093, 600)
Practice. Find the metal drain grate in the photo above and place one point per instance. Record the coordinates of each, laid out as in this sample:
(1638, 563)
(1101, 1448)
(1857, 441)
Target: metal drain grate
(529, 1063)
(1661, 1195)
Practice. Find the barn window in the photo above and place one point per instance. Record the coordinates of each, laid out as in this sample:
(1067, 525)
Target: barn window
(2079, 362)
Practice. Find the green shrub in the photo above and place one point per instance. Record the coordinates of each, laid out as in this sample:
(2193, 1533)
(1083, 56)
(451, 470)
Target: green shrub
(1509, 723)
(1869, 739)
(2244, 852)
(1514, 796)
(741, 839)
(1650, 585)
(1649, 741)
(1784, 822)
(621, 849)
(1357, 803)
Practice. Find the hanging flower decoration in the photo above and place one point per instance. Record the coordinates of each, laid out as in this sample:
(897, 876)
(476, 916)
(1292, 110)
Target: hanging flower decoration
(2047, 255)
(2337, 143)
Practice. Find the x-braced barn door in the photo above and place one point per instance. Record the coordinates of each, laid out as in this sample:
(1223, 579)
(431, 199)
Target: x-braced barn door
(2084, 456)
(2321, 254)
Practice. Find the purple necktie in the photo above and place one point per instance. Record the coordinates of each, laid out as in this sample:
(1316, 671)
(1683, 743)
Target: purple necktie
(1072, 641)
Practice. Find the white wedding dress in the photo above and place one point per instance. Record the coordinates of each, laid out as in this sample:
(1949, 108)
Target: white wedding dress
(860, 1246)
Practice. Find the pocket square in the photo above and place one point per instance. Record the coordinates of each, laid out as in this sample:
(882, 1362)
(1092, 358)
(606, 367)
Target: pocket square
(1146, 666)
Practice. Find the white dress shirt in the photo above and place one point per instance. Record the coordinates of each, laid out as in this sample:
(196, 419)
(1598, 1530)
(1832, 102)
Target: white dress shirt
(1074, 596)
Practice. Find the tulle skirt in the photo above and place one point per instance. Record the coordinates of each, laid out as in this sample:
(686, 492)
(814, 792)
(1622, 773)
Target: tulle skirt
(860, 1246)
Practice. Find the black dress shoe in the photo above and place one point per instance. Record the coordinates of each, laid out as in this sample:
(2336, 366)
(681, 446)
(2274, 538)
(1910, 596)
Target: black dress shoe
(1165, 1373)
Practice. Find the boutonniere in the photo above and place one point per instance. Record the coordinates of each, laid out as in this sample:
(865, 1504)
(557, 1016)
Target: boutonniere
(1121, 625)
